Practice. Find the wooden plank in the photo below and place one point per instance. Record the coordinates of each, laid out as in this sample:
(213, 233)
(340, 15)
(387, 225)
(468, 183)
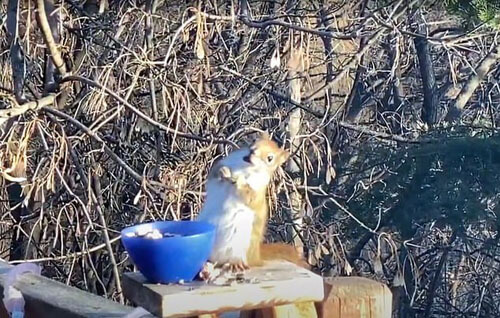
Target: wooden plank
(302, 310)
(275, 283)
(46, 298)
(3, 311)
(355, 297)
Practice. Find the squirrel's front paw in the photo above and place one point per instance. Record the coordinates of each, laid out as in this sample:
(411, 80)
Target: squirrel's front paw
(238, 266)
(225, 173)
(238, 179)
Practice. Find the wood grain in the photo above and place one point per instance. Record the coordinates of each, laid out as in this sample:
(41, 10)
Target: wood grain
(277, 283)
(355, 297)
(46, 298)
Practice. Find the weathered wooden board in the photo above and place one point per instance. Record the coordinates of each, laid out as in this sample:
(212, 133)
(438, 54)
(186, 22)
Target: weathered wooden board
(355, 297)
(275, 283)
(46, 298)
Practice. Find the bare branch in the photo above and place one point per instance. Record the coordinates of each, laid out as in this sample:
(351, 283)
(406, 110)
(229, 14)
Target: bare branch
(262, 24)
(51, 43)
(6, 114)
(472, 83)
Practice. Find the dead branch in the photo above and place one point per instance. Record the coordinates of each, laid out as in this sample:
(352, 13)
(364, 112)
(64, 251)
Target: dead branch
(472, 83)
(6, 114)
(357, 58)
(51, 43)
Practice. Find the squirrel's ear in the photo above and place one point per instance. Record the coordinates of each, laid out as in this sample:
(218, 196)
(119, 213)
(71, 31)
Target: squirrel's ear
(265, 135)
(284, 155)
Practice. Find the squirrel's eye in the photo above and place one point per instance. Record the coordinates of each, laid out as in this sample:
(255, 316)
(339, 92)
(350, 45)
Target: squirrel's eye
(270, 158)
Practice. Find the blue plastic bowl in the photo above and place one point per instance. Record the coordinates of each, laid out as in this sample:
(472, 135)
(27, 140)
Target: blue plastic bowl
(170, 259)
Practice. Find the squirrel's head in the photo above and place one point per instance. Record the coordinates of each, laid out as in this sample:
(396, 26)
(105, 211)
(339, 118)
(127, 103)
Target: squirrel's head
(266, 153)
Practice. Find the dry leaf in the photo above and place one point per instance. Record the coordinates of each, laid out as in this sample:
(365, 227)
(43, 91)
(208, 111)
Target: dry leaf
(330, 174)
(312, 260)
(377, 265)
(200, 52)
(324, 250)
(275, 59)
(317, 252)
(199, 87)
(137, 197)
(198, 45)
(185, 36)
(398, 280)
(348, 268)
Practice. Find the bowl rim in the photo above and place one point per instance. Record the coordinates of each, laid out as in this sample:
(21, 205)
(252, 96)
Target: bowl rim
(127, 228)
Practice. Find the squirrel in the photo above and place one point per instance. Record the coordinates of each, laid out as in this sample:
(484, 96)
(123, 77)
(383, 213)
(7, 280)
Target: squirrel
(236, 204)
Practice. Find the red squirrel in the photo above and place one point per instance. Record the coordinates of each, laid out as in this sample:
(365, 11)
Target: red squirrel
(236, 204)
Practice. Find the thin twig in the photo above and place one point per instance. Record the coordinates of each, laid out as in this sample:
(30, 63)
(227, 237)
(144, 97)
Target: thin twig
(96, 194)
(144, 116)
(67, 256)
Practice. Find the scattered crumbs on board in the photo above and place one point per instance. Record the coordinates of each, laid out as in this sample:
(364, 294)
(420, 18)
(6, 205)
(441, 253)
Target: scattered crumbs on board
(224, 276)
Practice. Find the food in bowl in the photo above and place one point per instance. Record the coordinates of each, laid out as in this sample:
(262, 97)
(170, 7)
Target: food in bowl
(152, 234)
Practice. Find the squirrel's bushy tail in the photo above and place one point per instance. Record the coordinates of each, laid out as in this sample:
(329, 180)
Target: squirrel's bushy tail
(282, 251)
(286, 252)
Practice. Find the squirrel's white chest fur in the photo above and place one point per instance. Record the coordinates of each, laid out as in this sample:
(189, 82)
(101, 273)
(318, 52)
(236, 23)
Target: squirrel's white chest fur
(227, 211)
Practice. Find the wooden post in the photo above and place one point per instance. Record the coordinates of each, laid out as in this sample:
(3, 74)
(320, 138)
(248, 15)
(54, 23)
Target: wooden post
(46, 298)
(355, 297)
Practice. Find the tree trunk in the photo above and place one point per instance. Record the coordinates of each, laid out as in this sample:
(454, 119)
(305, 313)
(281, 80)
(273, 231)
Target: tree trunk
(431, 97)
(16, 54)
